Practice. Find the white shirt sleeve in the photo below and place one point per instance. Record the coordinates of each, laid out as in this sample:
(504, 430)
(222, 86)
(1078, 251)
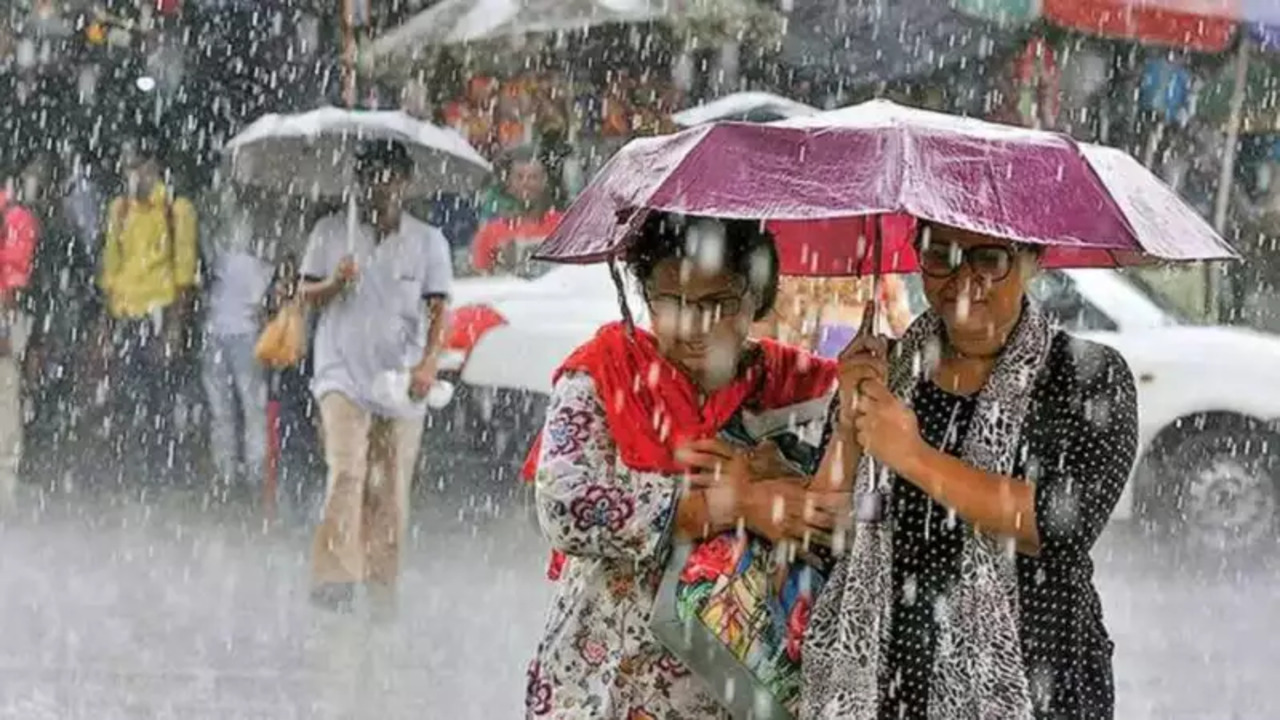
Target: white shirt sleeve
(437, 276)
(320, 260)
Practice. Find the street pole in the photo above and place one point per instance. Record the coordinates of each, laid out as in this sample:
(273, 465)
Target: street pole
(350, 85)
(1213, 279)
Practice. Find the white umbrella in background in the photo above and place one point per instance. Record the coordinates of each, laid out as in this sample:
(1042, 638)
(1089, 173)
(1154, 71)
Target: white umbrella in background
(466, 21)
(314, 152)
(744, 106)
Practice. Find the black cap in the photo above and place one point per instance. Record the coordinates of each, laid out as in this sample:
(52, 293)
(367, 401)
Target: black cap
(373, 156)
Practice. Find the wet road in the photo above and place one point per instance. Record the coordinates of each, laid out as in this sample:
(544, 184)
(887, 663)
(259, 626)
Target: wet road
(112, 609)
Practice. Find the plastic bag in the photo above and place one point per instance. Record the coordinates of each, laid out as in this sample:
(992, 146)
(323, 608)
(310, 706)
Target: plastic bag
(283, 341)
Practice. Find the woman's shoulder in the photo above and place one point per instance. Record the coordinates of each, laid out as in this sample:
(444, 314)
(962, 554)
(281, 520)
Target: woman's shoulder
(575, 391)
(1081, 353)
(1078, 366)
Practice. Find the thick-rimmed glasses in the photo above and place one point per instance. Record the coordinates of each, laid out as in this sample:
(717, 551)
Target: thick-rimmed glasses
(942, 260)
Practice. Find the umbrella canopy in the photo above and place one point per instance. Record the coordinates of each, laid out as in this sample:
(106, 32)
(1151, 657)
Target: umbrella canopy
(465, 21)
(744, 106)
(314, 152)
(867, 43)
(814, 178)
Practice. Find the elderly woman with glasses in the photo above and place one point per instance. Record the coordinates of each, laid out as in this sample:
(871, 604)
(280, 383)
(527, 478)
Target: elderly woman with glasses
(986, 450)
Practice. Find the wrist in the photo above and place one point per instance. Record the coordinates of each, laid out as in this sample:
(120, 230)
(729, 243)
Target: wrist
(723, 506)
(693, 516)
(846, 426)
(916, 460)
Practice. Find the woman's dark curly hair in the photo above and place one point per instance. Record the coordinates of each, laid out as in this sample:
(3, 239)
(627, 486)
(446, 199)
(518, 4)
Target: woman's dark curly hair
(749, 251)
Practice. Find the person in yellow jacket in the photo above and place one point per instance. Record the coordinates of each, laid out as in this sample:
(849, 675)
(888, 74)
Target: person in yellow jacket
(149, 270)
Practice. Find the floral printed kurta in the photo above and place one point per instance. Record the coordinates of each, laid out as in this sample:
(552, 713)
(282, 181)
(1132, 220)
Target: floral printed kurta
(597, 658)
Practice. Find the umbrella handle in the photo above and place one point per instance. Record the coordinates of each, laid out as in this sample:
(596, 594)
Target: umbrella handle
(877, 276)
(353, 222)
(877, 281)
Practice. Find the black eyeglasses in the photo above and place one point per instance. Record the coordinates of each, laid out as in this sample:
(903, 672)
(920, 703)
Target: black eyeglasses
(942, 260)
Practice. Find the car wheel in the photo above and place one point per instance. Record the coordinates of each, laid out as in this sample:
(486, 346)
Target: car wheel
(1224, 495)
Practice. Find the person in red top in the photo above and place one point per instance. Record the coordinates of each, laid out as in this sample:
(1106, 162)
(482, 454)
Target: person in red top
(517, 216)
(629, 461)
(19, 232)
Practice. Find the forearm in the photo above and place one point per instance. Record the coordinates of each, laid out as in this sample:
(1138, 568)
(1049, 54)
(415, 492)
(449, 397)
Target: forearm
(436, 308)
(318, 293)
(996, 504)
(636, 524)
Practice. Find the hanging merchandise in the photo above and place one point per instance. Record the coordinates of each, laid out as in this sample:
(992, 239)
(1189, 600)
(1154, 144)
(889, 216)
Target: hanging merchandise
(1165, 90)
(1037, 80)
(360, 14)
(1266, 36)
(1003, 12)
(1086, 71)
(1199, 26)
(95, 33)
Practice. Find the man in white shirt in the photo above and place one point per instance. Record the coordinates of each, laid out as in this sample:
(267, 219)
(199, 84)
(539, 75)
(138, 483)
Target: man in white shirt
(382, 291)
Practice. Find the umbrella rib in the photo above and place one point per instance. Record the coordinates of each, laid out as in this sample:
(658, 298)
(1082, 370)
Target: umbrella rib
(1106, 193)
(698, 146)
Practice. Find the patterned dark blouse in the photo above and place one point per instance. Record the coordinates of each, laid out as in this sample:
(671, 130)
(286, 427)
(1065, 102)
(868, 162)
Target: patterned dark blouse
(1079, 443)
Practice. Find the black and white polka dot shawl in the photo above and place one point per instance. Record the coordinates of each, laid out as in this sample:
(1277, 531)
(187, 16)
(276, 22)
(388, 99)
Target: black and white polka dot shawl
(978, 671)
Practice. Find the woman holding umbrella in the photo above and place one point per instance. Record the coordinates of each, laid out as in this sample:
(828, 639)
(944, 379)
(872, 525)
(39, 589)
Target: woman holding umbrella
(1014, 429)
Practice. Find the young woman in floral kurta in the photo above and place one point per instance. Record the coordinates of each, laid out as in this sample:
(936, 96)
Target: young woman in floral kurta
(631, 416)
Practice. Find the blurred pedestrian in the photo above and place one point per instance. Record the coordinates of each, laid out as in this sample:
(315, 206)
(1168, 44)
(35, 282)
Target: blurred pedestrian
(518, 215)
(457, 217)
(64, 304)
(300, 458)
(149, 266)
(235, 384)
(19, 234)
(381, 288)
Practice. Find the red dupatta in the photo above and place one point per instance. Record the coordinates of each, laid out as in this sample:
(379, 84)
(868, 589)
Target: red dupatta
(653, 408)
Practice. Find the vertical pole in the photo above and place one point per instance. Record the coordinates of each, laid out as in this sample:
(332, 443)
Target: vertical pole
(1213, 279)
(877, 279)
(350, 86)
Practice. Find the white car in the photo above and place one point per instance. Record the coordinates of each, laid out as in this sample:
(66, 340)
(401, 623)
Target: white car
(1208, 423)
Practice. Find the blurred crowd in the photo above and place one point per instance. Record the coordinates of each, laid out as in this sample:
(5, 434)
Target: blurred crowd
(130, 308)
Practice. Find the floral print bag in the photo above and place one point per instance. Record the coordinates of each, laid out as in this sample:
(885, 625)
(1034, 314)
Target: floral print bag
(733, 608)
